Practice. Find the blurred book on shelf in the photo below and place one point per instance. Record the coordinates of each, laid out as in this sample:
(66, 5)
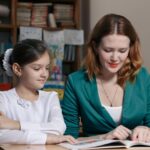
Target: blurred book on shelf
(57, 86)
(64, 14)
(4, 11)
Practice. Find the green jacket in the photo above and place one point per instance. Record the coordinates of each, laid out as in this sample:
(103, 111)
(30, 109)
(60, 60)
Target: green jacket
(81, 100)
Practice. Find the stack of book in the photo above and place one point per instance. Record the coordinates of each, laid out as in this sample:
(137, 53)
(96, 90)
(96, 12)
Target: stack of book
(24, 13)
(64, 14)
(39, 14)
(69, 53)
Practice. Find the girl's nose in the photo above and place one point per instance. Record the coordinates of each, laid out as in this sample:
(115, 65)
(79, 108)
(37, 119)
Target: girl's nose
(44, 72)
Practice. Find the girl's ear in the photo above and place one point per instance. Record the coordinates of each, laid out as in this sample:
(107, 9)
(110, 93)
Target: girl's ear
(17, 69)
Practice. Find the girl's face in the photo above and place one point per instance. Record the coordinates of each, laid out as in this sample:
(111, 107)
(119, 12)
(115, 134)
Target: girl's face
(113, 52)
(35, 74)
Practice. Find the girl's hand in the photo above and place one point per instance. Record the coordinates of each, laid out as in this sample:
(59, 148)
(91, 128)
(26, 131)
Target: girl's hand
(56, 139)
(120, 133)
(6, 123)
(141, 134)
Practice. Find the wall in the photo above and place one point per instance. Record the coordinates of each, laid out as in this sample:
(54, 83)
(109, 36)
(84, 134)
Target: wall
(138, 12)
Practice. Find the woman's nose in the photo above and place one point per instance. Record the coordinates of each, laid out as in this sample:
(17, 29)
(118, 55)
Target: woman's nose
(114, 56)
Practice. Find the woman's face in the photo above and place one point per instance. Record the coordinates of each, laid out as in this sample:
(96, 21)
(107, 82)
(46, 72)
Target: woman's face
(113, 52)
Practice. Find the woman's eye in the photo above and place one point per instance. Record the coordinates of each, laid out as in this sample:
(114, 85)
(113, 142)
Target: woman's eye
(122, 50)
(107, 50)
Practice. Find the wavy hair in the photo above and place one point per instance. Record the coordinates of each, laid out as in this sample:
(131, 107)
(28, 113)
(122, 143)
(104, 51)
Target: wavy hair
(107, 26)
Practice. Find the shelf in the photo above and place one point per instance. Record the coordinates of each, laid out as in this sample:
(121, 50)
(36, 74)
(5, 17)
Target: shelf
(49, 1)
(10, 29)
(6, 26)
(49, 28)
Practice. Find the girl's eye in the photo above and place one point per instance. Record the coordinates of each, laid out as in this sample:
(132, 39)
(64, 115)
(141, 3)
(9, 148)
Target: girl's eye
(36, 69)
(47, 68)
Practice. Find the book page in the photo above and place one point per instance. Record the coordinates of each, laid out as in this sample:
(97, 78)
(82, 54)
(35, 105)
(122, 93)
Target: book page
(73, 37)
(30, 32)
(96, 143)
(87, 144)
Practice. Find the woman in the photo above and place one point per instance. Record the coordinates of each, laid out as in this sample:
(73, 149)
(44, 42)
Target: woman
(111, 93)
(27, 114)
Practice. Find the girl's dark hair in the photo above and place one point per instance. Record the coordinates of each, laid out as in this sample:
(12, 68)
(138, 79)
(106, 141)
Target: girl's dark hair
(108, 25)
(27, 51)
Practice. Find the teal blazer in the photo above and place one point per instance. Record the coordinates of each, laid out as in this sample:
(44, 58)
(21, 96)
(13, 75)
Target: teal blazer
(81, 100)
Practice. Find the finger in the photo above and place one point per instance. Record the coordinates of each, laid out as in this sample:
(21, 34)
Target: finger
(134, 135)
(1, 113)
(70, 139)
(148, 137)
(123, 132)
(127, 130)
(73, 139)
(121, 135)
(144, 136)
(140, 136)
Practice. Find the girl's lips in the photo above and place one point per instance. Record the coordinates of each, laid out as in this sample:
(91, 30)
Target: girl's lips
(112, 65)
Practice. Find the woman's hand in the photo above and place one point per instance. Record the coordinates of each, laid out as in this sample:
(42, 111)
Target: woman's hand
(6, 123)
(56, 139)
(141, 134)
(120, 133)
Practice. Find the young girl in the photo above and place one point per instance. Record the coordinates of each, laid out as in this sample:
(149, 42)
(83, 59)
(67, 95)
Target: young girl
(27, 114)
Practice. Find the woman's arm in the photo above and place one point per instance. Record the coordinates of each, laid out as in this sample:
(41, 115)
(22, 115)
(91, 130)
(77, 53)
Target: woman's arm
(70, 109)
(120, 133)
(142, 133)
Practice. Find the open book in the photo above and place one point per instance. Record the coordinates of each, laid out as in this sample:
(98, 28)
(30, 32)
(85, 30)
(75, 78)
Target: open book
(96, 143)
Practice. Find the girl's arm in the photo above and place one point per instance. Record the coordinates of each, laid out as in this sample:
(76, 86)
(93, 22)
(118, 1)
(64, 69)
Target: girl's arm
(22, 137)
(32, 137)
(55, 123)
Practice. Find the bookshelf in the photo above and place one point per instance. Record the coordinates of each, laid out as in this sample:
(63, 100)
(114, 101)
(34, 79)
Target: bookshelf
(8, 31)
(8, 23)
(71, 21)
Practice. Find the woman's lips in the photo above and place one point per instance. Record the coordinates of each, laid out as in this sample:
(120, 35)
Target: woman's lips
(113, 65)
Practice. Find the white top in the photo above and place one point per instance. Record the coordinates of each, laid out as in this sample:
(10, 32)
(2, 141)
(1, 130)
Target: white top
(114, 112)
(37, 119)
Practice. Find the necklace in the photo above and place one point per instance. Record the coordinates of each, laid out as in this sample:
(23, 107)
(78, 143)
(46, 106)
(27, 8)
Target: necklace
(106, 94)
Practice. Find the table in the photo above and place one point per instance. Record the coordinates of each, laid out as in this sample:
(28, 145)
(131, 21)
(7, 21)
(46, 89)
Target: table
(54, 147)
(31, 147)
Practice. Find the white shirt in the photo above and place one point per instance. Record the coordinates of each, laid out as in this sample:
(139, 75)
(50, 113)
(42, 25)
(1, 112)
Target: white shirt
(37, 119)
(114, 112)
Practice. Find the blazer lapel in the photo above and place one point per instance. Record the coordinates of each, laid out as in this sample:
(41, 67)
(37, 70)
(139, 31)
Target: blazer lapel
(96, 103)
(126, 103)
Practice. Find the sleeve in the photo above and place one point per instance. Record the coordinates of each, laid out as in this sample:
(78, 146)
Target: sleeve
(2, 104)
(55, 124)
(18, 136)
(22, 137)
(70, 109)
(147, 117)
